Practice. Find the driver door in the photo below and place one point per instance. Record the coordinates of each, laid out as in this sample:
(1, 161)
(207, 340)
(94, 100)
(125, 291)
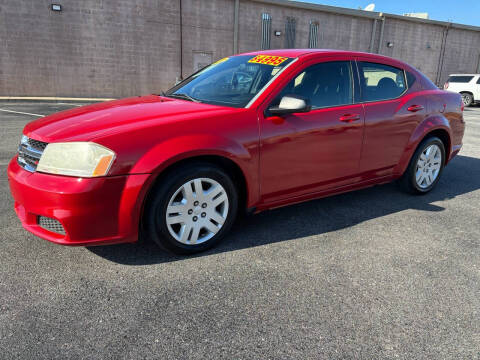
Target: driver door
(303, 153)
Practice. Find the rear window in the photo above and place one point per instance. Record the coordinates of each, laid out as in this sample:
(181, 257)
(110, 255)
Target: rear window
(460, 79)
(410, 79)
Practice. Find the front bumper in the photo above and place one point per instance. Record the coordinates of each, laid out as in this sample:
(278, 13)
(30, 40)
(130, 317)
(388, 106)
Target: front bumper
(93, 211)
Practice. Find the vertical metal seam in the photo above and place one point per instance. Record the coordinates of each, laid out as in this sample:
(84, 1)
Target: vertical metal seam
(372, 38)
(437, 75)
(314, 45)
(290, 32)
(380, 41)
(262, 46)
(442, 55)
(313, 35)
(310, 35)
(294, 34)
(235, 26)
(269, 28)
(181, 41)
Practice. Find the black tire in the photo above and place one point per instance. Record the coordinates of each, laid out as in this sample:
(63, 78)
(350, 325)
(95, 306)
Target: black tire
(408, 182)
(154, 220)
(467, 99)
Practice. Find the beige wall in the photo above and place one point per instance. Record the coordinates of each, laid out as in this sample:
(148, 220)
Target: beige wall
(116, 48)
(335, 31)
(415, 43)
(462, 53)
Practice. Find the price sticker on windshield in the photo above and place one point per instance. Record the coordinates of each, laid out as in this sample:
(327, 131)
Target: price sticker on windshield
(268, 60)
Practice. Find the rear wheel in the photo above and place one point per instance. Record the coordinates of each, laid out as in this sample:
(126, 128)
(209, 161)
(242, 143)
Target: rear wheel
(467, 99)
(425, 167)
(192, 209)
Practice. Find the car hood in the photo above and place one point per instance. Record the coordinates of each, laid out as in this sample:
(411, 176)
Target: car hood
(89, 122)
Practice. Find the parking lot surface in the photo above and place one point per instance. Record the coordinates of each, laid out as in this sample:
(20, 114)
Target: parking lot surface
(373, 274)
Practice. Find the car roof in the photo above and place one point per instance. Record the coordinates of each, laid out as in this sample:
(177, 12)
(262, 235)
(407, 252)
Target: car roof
(301, 52)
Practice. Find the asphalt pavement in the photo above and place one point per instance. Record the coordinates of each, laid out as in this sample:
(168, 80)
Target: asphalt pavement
(372, 274)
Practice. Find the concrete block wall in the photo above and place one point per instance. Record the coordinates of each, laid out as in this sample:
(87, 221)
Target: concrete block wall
(117, 48)
(335, 31)
(107, 48)
(207, 28)
(418, 44)
(462, 53)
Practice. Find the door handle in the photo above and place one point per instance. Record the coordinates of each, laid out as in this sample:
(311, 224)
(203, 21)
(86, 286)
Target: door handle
(415, 108)
(349, 117)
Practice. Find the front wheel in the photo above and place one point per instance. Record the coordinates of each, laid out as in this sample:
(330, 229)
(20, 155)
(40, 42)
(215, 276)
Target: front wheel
(425, 167)
(191, 209)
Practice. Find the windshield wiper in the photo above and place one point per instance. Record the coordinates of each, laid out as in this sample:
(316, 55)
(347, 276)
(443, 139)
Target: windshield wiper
(182, 96)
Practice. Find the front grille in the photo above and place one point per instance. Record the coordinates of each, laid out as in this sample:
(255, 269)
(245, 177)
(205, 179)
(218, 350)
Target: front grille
(40, 145)
(29, 153)
(50, 224)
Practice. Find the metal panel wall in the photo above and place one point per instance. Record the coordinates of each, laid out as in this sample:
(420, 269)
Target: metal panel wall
(313, 35)
(290, 33)
(266, 31)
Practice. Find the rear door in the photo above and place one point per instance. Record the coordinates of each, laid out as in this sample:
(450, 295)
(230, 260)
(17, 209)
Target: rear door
(392, 111)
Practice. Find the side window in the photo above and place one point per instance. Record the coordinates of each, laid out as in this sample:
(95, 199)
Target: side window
(325, 85)
(478, 81)
(381, 82)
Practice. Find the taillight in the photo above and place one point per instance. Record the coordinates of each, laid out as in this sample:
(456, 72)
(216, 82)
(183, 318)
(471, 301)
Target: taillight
(445, 86)
(462, 105)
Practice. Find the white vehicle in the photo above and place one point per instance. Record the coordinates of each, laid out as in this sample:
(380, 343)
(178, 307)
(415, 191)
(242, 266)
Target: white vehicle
(466, 84)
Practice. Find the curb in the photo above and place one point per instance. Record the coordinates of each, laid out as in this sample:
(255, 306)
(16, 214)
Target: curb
(53, 99)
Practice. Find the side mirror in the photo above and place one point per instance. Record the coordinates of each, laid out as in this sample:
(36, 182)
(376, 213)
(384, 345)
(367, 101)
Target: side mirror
(291, 104)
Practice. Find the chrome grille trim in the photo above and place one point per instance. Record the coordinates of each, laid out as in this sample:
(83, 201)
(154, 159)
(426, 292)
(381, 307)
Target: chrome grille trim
(30, 152)
(50, 224)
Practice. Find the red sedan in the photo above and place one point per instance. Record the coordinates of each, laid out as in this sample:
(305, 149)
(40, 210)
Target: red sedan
(249, 132)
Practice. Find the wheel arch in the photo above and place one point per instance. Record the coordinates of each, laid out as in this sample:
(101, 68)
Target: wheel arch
(443, 135)
(432, 126)
(225, 163)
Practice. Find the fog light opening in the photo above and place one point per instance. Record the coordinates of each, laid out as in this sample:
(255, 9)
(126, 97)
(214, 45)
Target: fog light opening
(52, 225)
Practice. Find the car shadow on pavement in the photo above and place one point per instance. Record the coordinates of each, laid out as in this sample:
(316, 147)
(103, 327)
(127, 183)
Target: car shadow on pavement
(315, 217)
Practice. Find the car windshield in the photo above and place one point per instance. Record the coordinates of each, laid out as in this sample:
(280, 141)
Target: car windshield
(231, 81)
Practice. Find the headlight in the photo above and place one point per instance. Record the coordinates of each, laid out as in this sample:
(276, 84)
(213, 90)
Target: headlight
(83, 159)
